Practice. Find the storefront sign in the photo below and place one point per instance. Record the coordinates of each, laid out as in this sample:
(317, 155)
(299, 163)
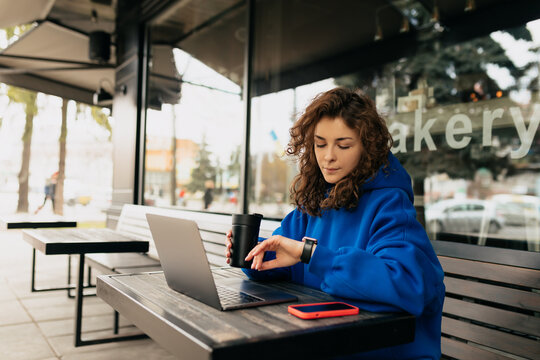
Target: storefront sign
(460, 124)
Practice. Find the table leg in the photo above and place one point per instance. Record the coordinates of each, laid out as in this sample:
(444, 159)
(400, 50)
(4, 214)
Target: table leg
(69, 286)
(79, 314)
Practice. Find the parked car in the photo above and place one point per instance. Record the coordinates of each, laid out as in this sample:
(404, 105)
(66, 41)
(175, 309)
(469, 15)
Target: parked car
(518, 210)
(464, 215)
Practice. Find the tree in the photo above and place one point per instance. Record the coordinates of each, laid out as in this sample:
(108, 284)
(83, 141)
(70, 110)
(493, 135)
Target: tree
(204, 170)
(101, 119)
(28, 100)
(455, 72)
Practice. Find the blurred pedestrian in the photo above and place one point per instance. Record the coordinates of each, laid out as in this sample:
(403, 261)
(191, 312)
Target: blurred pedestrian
(50, 191)
(208, 193)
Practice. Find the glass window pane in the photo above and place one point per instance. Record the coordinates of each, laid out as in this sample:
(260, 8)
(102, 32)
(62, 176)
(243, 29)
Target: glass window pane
(463, 107)
(194, 128)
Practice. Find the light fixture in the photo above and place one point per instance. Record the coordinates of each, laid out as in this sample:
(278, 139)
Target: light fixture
(405, 26)
(102, 97)
(99, 46)
(378, 28)
(435, 13)
(470, 5)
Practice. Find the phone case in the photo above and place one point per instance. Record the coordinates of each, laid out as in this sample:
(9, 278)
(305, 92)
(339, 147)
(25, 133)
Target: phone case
(296, 310)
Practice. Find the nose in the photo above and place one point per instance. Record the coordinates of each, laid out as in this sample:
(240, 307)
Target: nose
(329, 154)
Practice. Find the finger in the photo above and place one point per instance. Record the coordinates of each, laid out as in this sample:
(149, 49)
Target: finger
(257, 261)
(255, 251)
(267, 245)
(267, 265)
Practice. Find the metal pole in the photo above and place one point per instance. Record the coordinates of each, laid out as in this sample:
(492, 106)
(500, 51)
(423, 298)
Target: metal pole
(33, 280)
(79, 300)
(248, 73)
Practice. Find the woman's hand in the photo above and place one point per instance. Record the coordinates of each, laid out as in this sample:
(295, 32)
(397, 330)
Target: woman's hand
(228, 243)
(288, 253)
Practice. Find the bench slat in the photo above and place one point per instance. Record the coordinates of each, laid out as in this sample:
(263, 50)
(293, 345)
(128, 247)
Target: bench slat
(214, 248)
(461, 350)
(494, 272)
(498, 294)
(132, 270)
(215, 260)
(216, 238)
(518, 258)
(491, 338)
(489, 315)
(124, 260)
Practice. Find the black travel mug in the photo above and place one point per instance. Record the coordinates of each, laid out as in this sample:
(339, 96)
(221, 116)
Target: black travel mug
(245, 236)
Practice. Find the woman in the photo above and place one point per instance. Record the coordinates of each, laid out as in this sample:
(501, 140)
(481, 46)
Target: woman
(356, 200)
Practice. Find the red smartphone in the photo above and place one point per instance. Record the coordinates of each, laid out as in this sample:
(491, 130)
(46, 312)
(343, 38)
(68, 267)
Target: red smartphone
(322, 310)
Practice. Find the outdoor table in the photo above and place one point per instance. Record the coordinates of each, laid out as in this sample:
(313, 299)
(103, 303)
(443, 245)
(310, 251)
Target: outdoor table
(190, 329)
(27, 221)
(81, 242)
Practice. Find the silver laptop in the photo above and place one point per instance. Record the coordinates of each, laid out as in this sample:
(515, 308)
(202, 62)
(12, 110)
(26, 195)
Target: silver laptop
(184, 262)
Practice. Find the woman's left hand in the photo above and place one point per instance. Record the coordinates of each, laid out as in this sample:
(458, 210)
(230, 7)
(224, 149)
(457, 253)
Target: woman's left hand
(288, 253)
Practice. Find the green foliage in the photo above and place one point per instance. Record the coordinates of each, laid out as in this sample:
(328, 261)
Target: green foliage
(28, 99)
(452, 71)
(235, 161)
(102, 119)
(25, 97)
(14, 32)
(204, 171)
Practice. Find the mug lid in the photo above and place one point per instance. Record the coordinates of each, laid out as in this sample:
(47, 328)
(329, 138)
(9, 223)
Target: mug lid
(247, 219)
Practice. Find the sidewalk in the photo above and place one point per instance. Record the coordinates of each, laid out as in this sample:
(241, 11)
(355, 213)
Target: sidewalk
(39, 326)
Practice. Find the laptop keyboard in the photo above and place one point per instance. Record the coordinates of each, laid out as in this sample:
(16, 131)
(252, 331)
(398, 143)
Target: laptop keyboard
(229, 296)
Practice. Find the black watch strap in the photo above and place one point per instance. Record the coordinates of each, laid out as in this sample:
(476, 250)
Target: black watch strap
(308, 248)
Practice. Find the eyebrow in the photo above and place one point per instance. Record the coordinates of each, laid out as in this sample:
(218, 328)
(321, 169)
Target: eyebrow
(338, 139)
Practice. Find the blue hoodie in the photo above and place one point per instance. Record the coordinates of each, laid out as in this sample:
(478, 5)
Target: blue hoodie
(376, 256)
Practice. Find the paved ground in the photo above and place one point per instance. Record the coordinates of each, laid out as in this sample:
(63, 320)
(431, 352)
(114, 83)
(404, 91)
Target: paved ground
(39, 326)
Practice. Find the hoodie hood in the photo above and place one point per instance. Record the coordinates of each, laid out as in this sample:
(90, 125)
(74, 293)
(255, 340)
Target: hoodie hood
(393, 176)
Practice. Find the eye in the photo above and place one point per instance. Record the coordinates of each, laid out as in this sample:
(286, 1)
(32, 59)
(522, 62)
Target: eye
(320, 145)
(343, 147)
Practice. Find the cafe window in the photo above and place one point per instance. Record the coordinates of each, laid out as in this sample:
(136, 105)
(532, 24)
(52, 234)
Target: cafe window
(194, 118)
(461, 102)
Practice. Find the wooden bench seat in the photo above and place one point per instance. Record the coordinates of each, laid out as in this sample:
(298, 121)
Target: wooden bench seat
(132, 221)
(492, 305)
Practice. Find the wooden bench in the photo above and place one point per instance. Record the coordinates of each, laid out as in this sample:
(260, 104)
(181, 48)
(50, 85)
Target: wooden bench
(132, 221)
(492, 305)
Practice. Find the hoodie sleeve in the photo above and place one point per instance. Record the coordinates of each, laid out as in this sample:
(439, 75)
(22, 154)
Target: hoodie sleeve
(398, 270)
(293, 226)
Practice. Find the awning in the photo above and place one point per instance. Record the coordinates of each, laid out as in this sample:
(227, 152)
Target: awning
(54, 60)
(165, 81)
(17, 12)
(71, 76)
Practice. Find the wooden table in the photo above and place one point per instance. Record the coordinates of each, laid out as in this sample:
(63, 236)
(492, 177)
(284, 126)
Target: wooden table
(190, 329)
(81, 242)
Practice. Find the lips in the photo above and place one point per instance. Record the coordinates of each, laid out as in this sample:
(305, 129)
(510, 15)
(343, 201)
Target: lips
(330, 171)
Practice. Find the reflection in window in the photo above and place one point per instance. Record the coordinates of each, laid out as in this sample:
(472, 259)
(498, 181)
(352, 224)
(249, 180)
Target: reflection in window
(194, 127)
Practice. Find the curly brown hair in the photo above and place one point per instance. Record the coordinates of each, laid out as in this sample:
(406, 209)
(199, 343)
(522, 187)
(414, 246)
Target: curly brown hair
(309, 191)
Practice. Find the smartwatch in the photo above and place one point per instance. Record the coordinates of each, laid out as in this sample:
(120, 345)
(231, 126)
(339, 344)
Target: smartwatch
(308, 248)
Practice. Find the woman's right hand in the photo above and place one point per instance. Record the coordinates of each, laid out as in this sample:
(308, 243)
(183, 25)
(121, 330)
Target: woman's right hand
(228, 243)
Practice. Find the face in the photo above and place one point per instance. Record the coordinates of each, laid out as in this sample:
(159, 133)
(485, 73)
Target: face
(337, 148)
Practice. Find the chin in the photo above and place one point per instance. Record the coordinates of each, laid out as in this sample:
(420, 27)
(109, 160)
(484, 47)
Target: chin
(332, 179)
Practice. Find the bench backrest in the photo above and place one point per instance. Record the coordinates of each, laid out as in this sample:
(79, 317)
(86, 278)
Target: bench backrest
(492, 302)
(213, 228)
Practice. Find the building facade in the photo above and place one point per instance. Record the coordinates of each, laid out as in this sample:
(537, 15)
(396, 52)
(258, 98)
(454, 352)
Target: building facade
(457, 81)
